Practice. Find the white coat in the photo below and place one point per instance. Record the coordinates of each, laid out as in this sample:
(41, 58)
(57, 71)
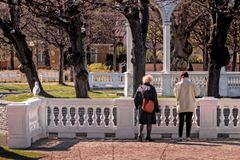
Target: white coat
(185, 92)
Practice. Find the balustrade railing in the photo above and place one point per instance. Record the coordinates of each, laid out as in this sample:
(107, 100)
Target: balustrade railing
(86, 117)
(229, 84)
(106, 80)
(228, 113)
(115, 118)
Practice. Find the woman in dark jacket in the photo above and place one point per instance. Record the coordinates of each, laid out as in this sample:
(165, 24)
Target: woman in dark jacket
(147, 91)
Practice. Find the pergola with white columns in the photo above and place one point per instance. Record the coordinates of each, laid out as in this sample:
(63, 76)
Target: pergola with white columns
(166, 8)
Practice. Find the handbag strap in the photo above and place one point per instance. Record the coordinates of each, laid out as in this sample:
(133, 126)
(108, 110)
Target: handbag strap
(142, 91)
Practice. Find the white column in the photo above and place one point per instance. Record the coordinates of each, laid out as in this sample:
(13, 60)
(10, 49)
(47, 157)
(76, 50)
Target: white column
(129, 47)
(166, 47)
(128, 80)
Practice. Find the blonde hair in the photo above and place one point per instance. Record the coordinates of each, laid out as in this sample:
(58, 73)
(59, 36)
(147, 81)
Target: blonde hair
(147, 78)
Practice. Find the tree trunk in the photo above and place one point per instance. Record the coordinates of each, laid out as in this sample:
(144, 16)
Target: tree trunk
(114, 55)
(24, 56)
(10, 29)
(138, 18)
(213, 81)
(46, 56)
(138, 52)
(154, 59)
(205, 51)
(218, 51)
(61, 67)
(182, 48)
(11, 57)
(77, 57)
(37, 54)
(205, 58)
(235, 41)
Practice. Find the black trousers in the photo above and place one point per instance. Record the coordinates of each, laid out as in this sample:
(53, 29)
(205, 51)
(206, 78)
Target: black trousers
(188, 117)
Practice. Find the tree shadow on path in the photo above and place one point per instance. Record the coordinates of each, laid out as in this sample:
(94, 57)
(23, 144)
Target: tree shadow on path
(14, 154)
(54, 144)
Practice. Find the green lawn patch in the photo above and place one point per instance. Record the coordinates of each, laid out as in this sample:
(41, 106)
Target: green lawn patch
(22, 92)
(14, 88)
(7, 154)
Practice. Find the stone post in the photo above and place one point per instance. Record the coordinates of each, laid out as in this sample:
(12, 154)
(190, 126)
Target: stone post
(208, 117)
(223, 82)
(125, 118)
(19, 123)
(167, 89)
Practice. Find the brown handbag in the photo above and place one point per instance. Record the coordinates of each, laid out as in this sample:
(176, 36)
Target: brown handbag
(147, 104)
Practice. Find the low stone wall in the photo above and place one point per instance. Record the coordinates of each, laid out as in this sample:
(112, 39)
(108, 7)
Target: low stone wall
(3, 118)
(3, 125)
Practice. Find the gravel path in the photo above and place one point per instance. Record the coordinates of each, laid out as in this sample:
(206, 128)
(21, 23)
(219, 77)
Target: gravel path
(77, 149)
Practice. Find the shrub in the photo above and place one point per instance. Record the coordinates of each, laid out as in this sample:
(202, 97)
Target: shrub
(98, 67)
(196, 58)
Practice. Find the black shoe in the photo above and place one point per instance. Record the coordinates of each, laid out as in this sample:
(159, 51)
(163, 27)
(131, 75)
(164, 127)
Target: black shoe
(180, 139)
(139, 138)
(149, 139)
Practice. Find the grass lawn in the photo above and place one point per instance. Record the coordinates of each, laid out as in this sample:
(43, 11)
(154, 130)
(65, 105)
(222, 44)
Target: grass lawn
(7, 154)
(21, 92)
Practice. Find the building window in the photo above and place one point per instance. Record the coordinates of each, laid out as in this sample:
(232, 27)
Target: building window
(40, 57)
(3, 53)
(93, 55)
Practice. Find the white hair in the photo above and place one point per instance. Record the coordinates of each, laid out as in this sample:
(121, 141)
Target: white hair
(147, 78)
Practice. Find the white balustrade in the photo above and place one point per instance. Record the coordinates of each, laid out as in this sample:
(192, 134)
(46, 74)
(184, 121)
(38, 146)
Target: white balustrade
(105, 80)
(98, 118)
(10, 76)
(163, 82)
(24, 123)
(229, 112)
(68, 118)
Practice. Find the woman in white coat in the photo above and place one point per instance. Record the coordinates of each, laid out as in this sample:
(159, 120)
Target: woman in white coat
(185, 92)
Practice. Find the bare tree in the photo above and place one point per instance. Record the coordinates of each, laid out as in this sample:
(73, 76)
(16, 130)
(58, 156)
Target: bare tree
(137, 14)
(10, 24)
(222, 14)
(200, 36)
(49, 35)
(68, 15)
(5, 42)
(233, 41)
(184, 18)
(154, 37)
(103, 27)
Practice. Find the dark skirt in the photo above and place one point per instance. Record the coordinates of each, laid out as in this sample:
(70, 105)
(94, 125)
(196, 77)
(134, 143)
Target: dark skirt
(146, 118)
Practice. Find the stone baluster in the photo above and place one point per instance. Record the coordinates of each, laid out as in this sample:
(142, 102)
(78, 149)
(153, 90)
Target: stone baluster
(163, 117)
(85, 123)
(222, 117)
(68, 117)
(171, 118)
(111, 123)
(230, 117)
(94, 117)
(60, 117)
(194, 119)
(52, 117)
(102, 118)
(76, 117)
